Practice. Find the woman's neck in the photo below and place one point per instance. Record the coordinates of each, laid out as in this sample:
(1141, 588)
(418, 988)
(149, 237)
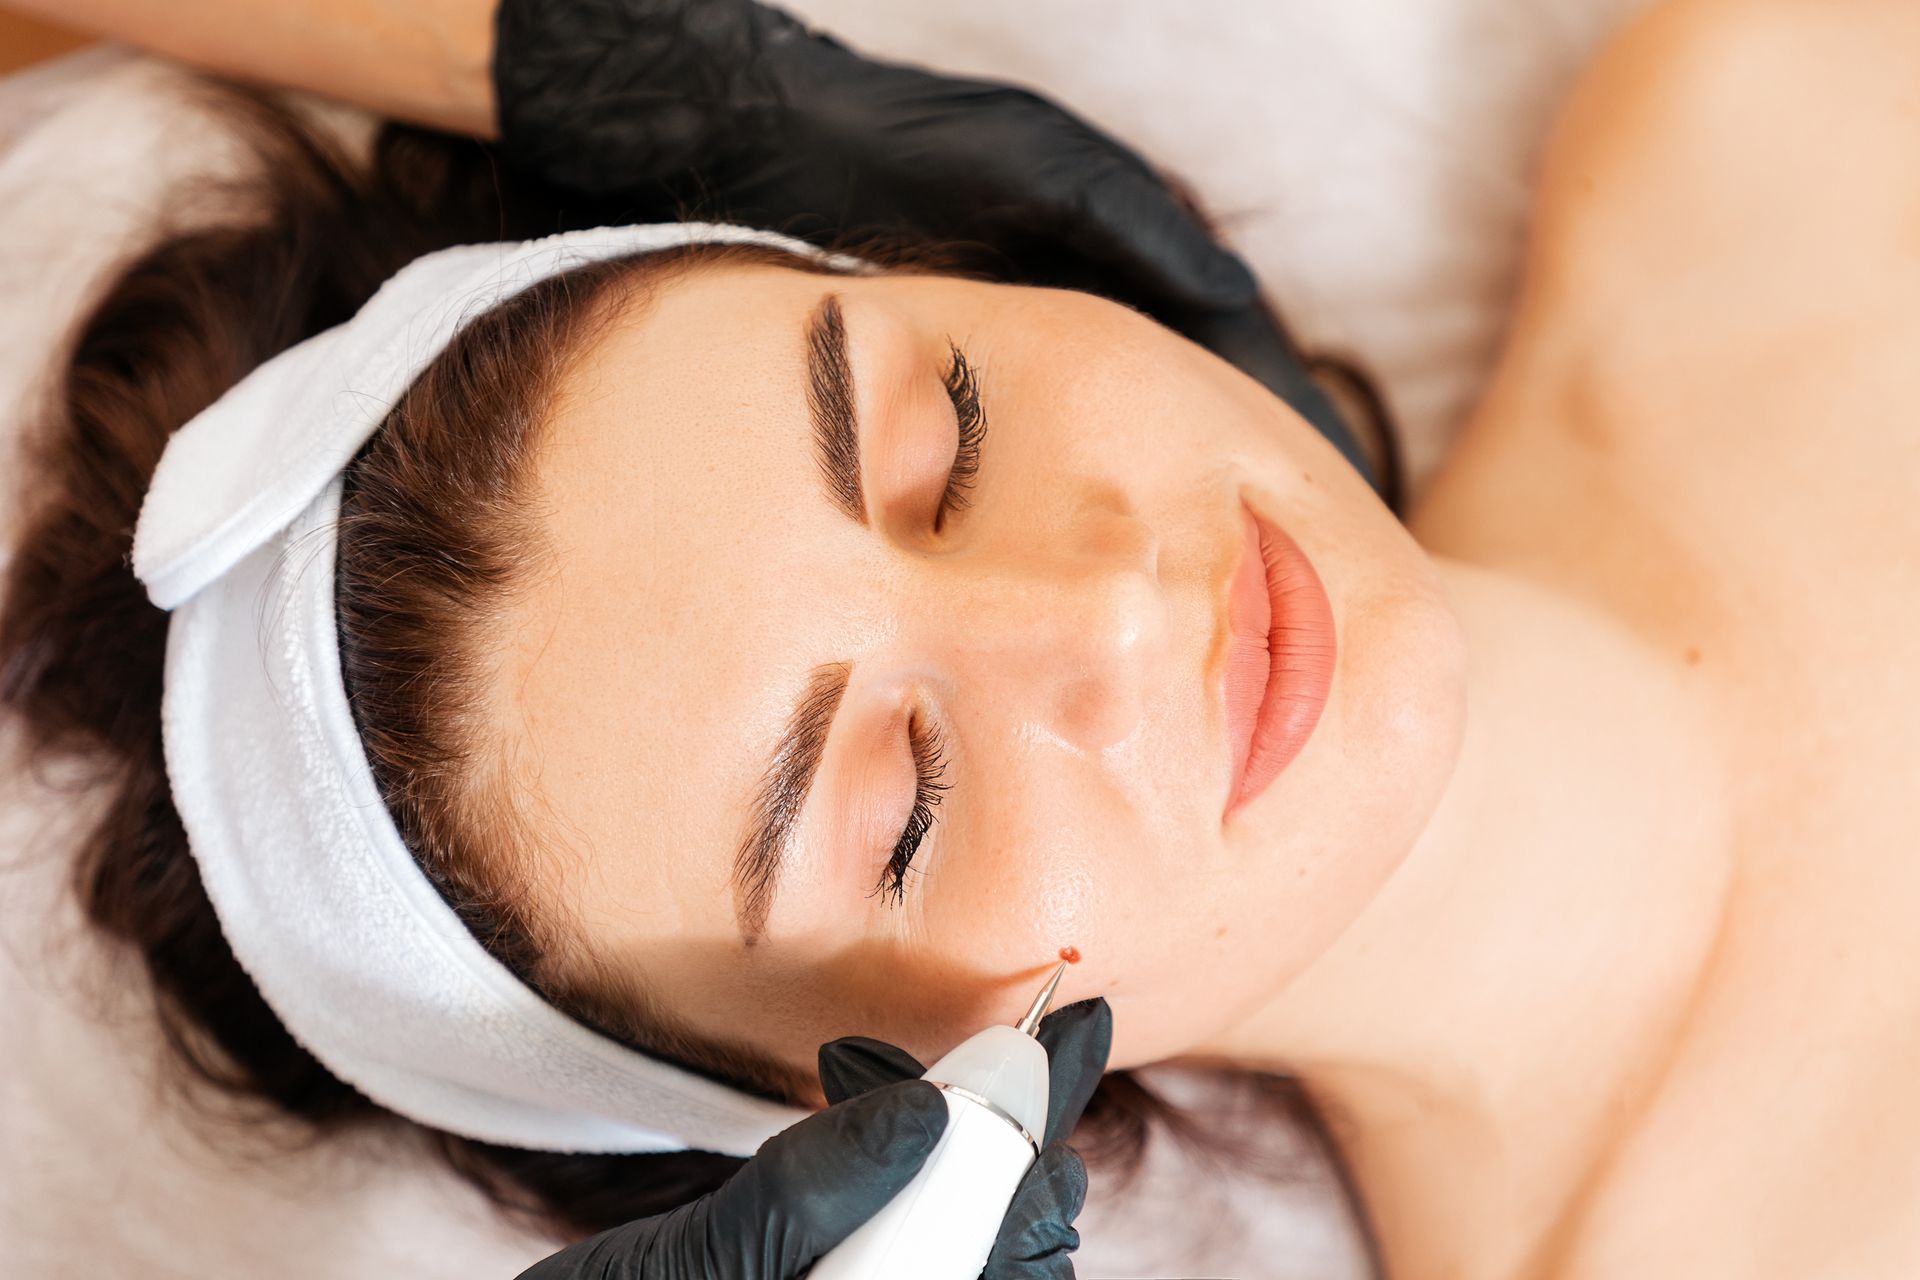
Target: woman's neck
(1486, 1033)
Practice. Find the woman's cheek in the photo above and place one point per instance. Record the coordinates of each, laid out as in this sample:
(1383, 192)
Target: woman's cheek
(1064, 893)
(1021, 881)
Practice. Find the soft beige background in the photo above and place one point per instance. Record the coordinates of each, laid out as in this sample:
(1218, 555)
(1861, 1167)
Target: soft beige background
(1371, 159)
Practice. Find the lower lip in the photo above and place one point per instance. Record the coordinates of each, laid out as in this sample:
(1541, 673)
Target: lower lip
(1277, 682)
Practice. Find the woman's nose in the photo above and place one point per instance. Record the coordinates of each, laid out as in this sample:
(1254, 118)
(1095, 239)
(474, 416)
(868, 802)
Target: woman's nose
(1065, 625)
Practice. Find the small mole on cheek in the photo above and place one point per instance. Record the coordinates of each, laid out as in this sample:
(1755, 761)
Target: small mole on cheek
(1693, 656)
(1070, 954)
(1221, 932)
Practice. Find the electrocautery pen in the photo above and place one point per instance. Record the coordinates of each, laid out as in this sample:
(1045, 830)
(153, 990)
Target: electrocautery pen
(942, 1225)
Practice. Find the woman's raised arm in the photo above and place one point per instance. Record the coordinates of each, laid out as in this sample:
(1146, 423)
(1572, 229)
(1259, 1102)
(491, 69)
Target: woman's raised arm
(419, 60)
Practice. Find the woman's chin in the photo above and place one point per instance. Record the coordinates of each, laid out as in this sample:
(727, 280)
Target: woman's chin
(1309, 856)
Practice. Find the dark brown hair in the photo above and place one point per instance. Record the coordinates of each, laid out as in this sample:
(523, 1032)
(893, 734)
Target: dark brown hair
(434, 536)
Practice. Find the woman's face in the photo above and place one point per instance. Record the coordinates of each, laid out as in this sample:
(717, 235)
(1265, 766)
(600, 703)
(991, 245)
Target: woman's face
(764, 641)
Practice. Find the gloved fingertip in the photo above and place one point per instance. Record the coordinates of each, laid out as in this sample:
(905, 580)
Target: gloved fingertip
(1074, 1173)
(853, 1065)
(814, 1182)
(1077, 1046)
(1079, 1010)
(930, 1109)
(1037, 1237)
(898, 1122)
(1085, 1026)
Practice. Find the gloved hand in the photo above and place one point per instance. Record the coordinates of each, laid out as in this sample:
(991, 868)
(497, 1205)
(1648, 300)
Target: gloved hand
(734, 109)
(735, 101)
(809, 1186)
(1037, 1234)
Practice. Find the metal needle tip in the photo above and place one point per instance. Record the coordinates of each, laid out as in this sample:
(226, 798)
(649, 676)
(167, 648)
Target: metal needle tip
(1031, 1023)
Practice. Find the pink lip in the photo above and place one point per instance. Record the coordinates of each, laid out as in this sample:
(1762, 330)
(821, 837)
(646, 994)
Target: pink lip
(1280, 657)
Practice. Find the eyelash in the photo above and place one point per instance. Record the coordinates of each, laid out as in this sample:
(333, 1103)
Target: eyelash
(929, 767)
(963, 388)
(962, 382)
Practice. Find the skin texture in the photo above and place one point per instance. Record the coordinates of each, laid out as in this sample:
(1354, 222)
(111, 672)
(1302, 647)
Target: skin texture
(1585, 911)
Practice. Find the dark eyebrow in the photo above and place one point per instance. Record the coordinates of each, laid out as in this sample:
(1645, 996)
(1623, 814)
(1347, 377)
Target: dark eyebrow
(836, 436)
(781, 795)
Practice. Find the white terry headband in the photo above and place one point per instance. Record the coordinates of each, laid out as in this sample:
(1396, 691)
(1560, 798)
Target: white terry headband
(346, 938)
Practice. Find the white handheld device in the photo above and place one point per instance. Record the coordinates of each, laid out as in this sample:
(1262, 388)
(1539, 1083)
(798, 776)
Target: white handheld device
(942, 1225)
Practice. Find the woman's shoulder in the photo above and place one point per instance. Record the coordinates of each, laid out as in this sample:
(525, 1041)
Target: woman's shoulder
(1718, 138)
(1711, 350)
(1721, 280)
(1726, 256)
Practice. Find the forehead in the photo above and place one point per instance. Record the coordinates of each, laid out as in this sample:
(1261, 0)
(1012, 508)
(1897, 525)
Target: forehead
(674, 482)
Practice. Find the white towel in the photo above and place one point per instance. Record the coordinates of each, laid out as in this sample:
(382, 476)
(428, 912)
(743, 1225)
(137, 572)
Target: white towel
(320, 899)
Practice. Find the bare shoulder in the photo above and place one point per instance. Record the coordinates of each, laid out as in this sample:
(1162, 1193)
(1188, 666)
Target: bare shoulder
(1717, 137)
(1712, 350)
(1725, 264)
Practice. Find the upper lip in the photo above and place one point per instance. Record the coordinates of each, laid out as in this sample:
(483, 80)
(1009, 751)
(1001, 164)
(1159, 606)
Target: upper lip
(1248, 540)
(1294, 658)
(1223, 596)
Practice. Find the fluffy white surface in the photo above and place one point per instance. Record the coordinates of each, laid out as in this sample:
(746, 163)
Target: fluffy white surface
(1372, 161)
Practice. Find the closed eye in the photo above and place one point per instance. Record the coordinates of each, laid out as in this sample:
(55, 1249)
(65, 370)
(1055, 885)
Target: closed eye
(963, 388)
(930, 771)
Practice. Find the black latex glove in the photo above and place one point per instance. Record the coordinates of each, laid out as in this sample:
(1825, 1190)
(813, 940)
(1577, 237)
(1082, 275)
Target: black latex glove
(1037, 1234)
(735, 110)
(809, 1186)
(785, 126)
